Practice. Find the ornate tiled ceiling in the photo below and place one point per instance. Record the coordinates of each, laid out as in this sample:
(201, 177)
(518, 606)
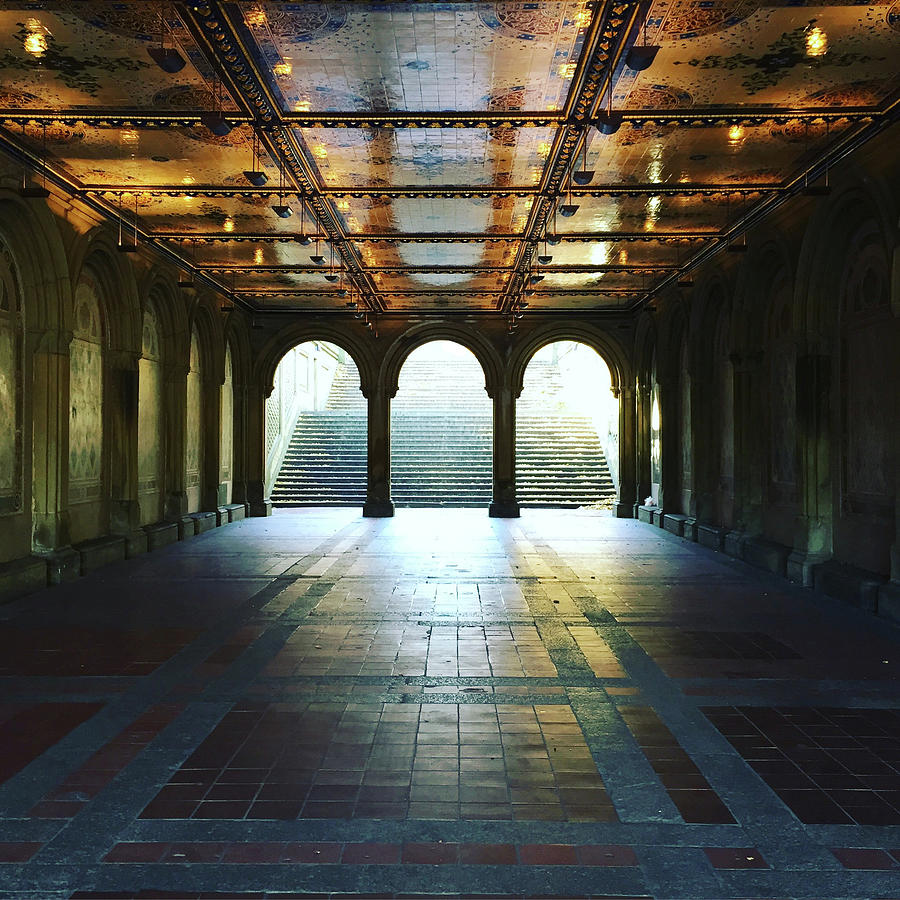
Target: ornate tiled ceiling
(430, 147)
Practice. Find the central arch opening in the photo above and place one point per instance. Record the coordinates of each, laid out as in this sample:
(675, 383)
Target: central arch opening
(441, 429)
(567, 446)
(316, 421)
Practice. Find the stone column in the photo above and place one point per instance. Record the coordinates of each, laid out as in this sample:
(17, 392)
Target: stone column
(625, 502)
(504, 504)
(748, 450)
(212, 494)
(50, 450)
(175, 423)
(378, 457)
(239, 453)
(642, 445)
(255, 456)
(121, 415)
(669, 500)
(812, 540)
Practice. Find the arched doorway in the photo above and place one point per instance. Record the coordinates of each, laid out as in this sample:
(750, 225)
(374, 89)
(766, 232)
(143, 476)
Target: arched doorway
(567, 446)
(441, 429)
(316, 429)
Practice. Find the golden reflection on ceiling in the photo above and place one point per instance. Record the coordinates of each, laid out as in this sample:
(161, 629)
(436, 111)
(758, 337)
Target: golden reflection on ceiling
(458, 156)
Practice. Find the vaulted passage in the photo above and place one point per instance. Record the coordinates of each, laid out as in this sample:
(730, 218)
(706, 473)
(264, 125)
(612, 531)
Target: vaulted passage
(441, 430)
(566, 430)
(562, 705)
(316, 429)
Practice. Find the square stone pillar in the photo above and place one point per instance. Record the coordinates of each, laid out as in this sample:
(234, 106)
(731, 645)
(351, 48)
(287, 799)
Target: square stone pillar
(504, 504)
(255, 456)
(378, 456)
(627, 495)
(50, 450)
(122, 385)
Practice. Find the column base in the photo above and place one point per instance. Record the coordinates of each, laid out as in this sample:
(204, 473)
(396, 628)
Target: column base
(378, 509)
(260, 507)
(504, 509)
(624, 510)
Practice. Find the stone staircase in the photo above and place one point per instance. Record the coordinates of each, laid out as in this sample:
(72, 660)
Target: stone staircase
(439, 455)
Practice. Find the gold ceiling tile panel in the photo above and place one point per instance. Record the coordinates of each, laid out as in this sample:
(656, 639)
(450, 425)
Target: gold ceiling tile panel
(429, 157)
(357, 57)
(93, 55)
(765, 54)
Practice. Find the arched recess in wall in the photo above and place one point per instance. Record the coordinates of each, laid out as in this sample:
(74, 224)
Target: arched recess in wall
(88, 446)
(194, 432)
(151, 425)
(867, 370)
(723, 405)
(12, 379)
(782, 460)
(713, 395)
(36, 316)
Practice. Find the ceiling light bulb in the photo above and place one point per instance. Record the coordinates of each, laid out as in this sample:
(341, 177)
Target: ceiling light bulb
(283, 69)
(735, 134)
(623, 257)
(228, 224)
(816, 42)
(35, 43)
(258, 256)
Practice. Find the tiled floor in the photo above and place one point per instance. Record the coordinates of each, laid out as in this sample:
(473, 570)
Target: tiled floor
(445, 705)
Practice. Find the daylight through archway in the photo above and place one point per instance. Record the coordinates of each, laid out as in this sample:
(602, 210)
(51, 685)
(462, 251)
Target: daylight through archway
(567, 445)
(316, 429)
(441, 429)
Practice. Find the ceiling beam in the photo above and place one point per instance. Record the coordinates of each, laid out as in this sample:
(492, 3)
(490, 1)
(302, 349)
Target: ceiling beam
(454, 191)
(444, 237)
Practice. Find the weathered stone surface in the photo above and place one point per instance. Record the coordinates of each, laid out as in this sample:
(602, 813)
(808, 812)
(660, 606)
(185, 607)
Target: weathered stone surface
(100, 552)
(22, 576)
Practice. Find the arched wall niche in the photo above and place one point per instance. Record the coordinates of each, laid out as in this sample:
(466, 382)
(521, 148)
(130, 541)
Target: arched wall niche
(609, 350)
(274, 350)
(88, 446)
(823, 254)
(414, 337)
(12, 384)
(151, 420)
(194, 435)
(41, 332)
(95, 258)
(207, 321)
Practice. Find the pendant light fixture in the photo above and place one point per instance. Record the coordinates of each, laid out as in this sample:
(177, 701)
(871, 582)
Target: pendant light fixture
(281, 209)
(609, 122)
(584, 176)
(568, 209)
(331, 275)
(317, 257)
(641, 57)
(167, 58)
(552, 239)
(215, 119)
(303, 239)
(255, 174)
